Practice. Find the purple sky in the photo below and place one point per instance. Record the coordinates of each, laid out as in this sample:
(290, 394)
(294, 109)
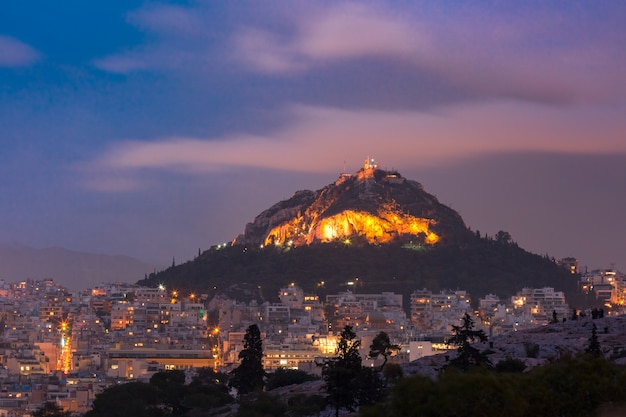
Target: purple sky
(154, 129)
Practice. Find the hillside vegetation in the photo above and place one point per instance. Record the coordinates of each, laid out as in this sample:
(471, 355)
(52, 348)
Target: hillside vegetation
(478, 265)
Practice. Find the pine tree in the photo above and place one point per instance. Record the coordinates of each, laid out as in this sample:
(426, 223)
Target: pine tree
(463, 336)
(249, 375)
(594, 346)
(382, 346)
(340, 373)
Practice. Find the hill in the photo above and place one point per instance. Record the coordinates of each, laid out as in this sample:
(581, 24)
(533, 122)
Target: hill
(75, 270)
(479, 265)
(371, 231)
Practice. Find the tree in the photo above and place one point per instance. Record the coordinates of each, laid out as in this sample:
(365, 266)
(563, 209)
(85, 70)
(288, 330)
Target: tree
(370, 386)
(209, 376)
(302, 405)
(463, 336)
(134, 399)
(283, 377)
(340, 373)
(575, 386)
(208, 390)
(264, 405)
(392, 372)
(594, 346)
(382, 346)
(50, 409)
(511, 365)
(503, 237)
(555, 319)
(249, 375)
(171, 384)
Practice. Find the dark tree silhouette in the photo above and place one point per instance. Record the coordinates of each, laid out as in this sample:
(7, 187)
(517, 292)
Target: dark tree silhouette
(171, 384)
(249, 375)
(463, 336)
(340, 373)
(207, 390)
(555, 319)
(282, 377)
(382, 346)
(503, 237)
(302, 405)
(50, 409)
(134, 399)
(370, 387)
(594, 345)
(262, 405)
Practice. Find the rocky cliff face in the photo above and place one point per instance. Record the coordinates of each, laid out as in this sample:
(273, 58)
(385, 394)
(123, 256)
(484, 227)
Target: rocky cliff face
(372, 205)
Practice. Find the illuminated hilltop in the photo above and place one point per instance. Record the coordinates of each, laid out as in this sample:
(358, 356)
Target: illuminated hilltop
(372, 206)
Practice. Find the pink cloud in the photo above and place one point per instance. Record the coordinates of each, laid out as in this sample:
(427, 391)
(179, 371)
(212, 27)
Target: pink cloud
(319, 139)
(353, 30)
(342, 32)
(527, 57)
(14, 53)
(530, 57)
(266, 52)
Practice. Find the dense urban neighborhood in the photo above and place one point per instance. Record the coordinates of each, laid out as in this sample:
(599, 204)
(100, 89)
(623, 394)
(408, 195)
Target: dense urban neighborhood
(67, 347)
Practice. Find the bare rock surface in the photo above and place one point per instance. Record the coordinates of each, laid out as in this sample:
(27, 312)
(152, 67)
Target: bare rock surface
(541, 345)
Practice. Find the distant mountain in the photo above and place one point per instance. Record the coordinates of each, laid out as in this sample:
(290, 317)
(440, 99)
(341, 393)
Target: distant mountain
(373, 225)
(75, 270)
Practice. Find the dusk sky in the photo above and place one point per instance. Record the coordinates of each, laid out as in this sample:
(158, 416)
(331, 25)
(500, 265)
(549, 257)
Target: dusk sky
(153, 129)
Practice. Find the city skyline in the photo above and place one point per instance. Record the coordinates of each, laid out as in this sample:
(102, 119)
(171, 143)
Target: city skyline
(154, 129)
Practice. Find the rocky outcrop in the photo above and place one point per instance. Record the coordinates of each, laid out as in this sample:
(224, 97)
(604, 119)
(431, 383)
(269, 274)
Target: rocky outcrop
(372, 205)
(541, 345)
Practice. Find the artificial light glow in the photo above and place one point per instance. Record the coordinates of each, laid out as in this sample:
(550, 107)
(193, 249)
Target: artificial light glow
(65, 357)
(382, 227)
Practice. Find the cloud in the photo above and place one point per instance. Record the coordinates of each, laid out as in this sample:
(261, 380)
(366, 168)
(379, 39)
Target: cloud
(170, 20)
(347, 31)
(541, 61)
(319, 139)
(177, 40)
(14, 53)
(124, 63)
(539, 54)
(186, 154)
(354, 30)
(484, 54)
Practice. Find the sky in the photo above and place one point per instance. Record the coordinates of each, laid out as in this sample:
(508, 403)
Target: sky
(154, 129)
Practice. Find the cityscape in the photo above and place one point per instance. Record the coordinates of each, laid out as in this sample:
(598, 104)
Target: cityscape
(291, 208)
(68, 346)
